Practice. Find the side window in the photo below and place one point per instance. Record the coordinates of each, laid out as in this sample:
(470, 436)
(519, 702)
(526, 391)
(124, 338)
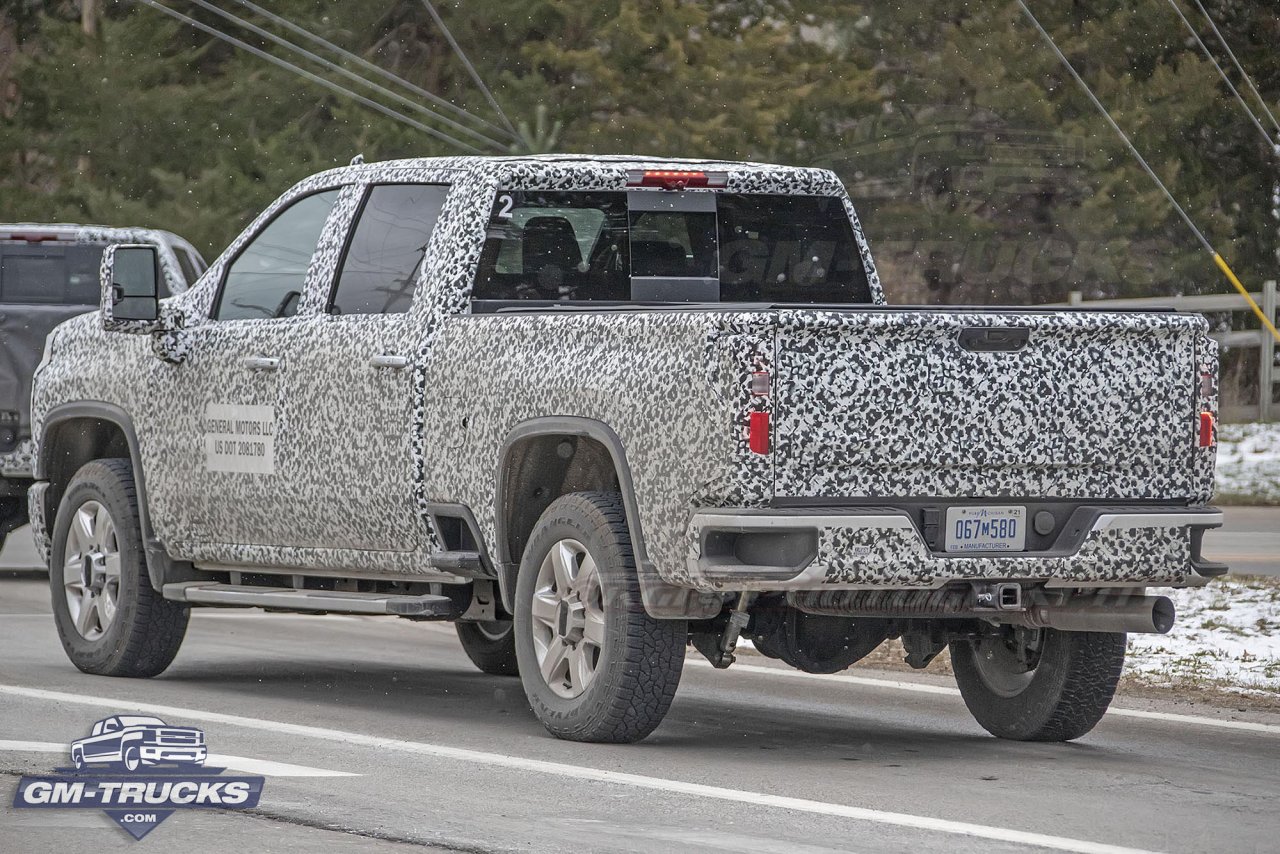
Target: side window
(385, 254)
(267, 278)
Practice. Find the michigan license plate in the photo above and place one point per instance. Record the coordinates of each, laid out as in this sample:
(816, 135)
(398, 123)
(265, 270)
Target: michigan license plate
(986, 529)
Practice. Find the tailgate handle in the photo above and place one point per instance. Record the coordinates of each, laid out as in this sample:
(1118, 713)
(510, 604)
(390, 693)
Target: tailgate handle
(994, 339)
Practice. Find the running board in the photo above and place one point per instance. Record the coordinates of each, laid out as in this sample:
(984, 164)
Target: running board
(289, 599)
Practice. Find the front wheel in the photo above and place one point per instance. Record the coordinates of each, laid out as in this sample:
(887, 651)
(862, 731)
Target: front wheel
(132, 761)
(1038, 684)
(110, 619)
(594, 665)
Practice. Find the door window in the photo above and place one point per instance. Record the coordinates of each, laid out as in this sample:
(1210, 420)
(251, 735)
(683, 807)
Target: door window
(268, 276)
(385, 255)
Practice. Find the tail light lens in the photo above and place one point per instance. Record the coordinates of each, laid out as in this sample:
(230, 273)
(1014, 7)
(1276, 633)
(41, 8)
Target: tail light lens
(675, 179)
(1206, 429)
(758, 433)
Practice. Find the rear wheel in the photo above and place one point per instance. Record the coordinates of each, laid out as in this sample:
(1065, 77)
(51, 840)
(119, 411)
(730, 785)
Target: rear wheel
(1038, 684)
(491, 646)
(110, 619)
(594, 665)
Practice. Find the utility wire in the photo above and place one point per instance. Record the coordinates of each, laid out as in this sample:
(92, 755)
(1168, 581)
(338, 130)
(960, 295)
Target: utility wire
(1204, 241)
(375, 69)
(350, 75)
(314, 78)
(1225, 79)
(471, 69)
(1249, 81)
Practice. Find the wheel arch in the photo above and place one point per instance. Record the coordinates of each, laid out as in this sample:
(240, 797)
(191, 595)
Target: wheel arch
(76, 433)
(534, 469)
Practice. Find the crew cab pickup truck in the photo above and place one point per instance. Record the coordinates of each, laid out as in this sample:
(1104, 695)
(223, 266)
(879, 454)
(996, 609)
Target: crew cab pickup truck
(134, 741)
(49, 273)
(597, 410)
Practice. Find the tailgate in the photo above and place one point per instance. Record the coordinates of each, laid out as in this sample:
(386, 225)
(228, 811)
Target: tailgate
(928, 404)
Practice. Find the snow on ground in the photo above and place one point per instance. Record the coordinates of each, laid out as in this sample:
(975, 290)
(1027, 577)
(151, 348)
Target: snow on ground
(1249, 462)
(1227, 637)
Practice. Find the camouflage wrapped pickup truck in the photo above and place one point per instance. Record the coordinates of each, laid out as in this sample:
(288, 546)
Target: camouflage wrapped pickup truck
(601, 410)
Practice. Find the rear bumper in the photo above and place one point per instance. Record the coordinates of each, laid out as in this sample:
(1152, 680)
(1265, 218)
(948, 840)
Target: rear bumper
(882, 547)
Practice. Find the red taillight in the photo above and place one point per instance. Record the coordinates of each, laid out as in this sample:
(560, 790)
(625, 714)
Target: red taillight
(1206, 429)
(675, 179)
(758, 433)
(28, 237)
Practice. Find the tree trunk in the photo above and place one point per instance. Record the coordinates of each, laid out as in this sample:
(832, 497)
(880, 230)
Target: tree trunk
(89, 18)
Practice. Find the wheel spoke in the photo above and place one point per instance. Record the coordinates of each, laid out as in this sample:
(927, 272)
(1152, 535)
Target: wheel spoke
(87, 617)
(586, 575)
(594, 629)
(111, 564)
(544, 607)
(580, 669)
(553, 662)
(82, 524)
(102, 527)
(72, 576)
(107, 605)
(563, 561)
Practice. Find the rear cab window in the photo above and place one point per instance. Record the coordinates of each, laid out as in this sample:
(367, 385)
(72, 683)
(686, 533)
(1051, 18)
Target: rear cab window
(669, 247)
(49, 273)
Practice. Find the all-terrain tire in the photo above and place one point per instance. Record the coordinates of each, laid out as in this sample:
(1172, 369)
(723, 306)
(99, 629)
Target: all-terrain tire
(146, 630)
(1068, 692)
(490, 646)
(640, 660)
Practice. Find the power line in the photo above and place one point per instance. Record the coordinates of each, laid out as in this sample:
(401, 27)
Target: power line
(1225, 79)
(1204, 241)
(350, 75)
(1248, 81)
(471, 69)
(369, 66)
(314, 78)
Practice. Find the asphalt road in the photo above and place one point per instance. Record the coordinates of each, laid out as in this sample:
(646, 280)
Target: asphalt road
(384, 737)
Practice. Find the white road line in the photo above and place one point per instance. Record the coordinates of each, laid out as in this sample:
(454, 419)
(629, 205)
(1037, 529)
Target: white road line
(576, 772)
(215, 760)
(922, 688)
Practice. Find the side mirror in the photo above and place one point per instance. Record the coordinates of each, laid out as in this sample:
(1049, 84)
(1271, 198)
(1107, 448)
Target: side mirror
(131, 289)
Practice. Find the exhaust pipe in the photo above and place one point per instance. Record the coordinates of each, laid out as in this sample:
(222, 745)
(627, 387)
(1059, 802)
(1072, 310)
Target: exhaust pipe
(1137, 615)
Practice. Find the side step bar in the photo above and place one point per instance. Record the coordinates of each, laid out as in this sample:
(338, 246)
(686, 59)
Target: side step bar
(289, 599)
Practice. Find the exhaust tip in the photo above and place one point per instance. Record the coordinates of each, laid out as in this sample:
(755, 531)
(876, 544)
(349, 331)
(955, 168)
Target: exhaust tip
(1163, 614)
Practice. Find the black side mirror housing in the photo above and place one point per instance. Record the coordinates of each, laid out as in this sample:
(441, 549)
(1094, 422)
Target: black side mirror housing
(131, 289)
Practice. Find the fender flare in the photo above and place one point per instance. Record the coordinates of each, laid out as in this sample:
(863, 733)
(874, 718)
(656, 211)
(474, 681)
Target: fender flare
(661, 600)
(160, 566)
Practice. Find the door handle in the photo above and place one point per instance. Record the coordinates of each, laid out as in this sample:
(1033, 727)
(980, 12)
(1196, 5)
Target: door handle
(261, 363)
(387, 361)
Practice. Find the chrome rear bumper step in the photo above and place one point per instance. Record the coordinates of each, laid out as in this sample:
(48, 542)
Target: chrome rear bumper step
(289, 599)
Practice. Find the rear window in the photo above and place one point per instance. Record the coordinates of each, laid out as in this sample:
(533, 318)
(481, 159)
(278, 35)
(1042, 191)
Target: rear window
(660, 246)
(49, 273)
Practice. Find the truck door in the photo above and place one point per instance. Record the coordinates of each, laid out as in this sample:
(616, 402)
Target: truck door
(227, 436)
(357, 373)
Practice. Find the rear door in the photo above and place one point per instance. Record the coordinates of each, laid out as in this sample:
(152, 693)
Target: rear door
(351, 380)
(972, 405)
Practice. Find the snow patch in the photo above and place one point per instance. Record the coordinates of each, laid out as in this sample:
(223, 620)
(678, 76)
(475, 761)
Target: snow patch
(1249, 461)
(1227, 636)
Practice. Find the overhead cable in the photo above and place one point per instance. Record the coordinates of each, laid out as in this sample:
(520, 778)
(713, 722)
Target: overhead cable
(471, 69)
(1204, 241)
(1225, 79)
(314, 78)
(350, 75)
(1240, 68)
(375, 69)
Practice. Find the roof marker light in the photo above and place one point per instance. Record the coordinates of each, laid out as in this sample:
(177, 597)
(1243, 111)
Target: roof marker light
(675, 179)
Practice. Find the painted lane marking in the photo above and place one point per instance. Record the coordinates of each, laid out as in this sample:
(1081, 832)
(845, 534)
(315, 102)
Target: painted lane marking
(577, 772)
(920, 688)
(216, 760)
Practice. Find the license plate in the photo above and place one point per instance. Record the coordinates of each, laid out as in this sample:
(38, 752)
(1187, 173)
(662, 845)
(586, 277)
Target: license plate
(986, 529)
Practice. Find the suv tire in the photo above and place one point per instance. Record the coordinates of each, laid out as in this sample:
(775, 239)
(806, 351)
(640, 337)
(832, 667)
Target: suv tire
(1071, 679)
(594, 665)
(490, 646)
(110, 619)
